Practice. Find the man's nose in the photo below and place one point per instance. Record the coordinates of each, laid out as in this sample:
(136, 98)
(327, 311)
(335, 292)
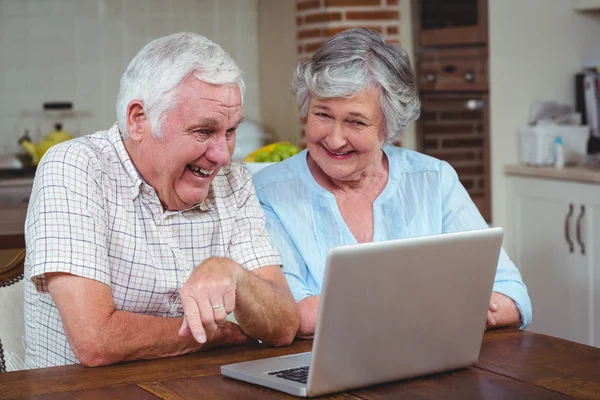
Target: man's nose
(218, 150)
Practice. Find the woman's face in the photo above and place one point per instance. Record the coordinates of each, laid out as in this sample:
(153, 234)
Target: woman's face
(344, 135)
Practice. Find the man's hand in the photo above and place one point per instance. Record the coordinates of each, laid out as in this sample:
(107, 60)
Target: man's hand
(208, 296)
(502, 312)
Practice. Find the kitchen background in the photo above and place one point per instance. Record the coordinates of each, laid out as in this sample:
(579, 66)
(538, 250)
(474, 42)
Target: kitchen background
(76, 50)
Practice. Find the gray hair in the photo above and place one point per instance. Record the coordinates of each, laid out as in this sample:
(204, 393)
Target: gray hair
(162, 65)
(354, 60)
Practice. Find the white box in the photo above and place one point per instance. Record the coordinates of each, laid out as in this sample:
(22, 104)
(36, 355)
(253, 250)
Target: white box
(537, 144)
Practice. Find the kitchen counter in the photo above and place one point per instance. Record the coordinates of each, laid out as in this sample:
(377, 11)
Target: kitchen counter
(27, 172)
(12, 219)
(12, 225)
(576, 174)
(15, 190)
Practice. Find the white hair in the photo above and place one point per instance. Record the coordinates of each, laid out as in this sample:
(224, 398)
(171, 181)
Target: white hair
(160, 67)
(354, 60)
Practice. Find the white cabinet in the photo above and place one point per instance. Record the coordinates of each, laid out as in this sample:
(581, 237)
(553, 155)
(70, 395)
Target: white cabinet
(593, 231)
(555, 228)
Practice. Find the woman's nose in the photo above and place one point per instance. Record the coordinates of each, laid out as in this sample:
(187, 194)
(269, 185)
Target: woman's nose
(336, 137)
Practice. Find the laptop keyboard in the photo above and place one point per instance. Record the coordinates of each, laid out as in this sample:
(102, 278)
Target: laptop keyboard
(299, 374)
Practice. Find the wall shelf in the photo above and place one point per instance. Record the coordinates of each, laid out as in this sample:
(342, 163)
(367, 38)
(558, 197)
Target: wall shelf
(586, 5)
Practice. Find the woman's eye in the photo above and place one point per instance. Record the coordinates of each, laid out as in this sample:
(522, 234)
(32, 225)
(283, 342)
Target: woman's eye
(357, 123)
(322, 115)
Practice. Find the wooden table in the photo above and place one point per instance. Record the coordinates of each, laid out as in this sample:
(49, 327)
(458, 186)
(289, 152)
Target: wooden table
(512, 365)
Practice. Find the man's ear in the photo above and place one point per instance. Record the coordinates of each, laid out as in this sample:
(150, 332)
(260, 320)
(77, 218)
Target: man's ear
(138, 124)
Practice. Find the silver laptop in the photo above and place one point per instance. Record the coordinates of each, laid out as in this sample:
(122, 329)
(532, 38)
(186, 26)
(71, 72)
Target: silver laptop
(391, 310)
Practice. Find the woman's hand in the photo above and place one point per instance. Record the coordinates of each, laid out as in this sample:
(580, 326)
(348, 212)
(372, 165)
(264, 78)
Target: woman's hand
(308, 309)
(502, 312)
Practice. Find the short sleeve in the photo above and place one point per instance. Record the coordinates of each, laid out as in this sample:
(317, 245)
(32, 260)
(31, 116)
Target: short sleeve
(459, 213)
(251, 245)
(65, 228)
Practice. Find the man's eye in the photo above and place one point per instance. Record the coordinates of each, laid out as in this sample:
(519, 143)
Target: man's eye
(322, 115)
(230, 133)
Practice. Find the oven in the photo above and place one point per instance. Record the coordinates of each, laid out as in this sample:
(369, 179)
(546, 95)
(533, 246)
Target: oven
(454, 122)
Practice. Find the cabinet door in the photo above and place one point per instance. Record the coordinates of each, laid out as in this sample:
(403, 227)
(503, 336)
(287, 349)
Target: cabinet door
(589, 229)
(545, 251)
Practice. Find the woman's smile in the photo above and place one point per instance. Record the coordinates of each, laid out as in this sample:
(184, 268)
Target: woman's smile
(338, 155)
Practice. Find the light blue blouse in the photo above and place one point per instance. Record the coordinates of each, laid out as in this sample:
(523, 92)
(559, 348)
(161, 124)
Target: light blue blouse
(423, 196)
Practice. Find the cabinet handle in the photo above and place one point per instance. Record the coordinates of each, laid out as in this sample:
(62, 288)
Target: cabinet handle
(567, 234)
(581, 214)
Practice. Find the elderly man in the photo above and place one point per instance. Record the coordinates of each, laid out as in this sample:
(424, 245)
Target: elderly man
(143, 238)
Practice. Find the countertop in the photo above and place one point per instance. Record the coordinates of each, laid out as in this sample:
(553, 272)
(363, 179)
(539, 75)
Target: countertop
(12, 219)
(15, 189)
(576, 174)
(17, 173)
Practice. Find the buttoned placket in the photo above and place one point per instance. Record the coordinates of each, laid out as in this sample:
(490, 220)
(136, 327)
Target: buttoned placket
(162, 221)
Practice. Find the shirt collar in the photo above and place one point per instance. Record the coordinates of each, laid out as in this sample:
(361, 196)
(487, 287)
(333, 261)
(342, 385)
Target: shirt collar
(134, 179)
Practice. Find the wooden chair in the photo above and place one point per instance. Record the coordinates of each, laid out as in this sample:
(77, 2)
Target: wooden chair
(11, 271)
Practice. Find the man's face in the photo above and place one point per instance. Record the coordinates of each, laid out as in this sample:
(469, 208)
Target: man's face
(198, 139)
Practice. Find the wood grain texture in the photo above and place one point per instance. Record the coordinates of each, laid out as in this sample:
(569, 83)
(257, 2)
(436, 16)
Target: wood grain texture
(470, 383)
(76, 377)
(118, 392)
(544, 361)
(512, 364)
(219, 387)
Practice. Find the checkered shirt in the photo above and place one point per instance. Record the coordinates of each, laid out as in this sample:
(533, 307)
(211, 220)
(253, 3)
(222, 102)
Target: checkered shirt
(92, 215)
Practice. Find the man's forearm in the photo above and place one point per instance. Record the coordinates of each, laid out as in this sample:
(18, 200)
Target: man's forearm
(129, 336)
(265, 311)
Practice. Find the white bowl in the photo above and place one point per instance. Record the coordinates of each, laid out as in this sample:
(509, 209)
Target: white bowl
(254, 167)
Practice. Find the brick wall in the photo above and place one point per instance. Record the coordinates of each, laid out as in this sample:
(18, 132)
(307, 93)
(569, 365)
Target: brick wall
(318, 20)
(455, 134)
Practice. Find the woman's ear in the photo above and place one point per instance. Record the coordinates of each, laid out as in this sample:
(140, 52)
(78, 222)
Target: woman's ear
(137, 121)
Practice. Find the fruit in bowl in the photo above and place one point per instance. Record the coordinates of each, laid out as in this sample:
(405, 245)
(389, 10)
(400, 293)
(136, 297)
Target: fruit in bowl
(273, 152)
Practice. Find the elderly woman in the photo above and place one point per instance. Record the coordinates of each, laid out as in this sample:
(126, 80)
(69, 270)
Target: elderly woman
(357, 93)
